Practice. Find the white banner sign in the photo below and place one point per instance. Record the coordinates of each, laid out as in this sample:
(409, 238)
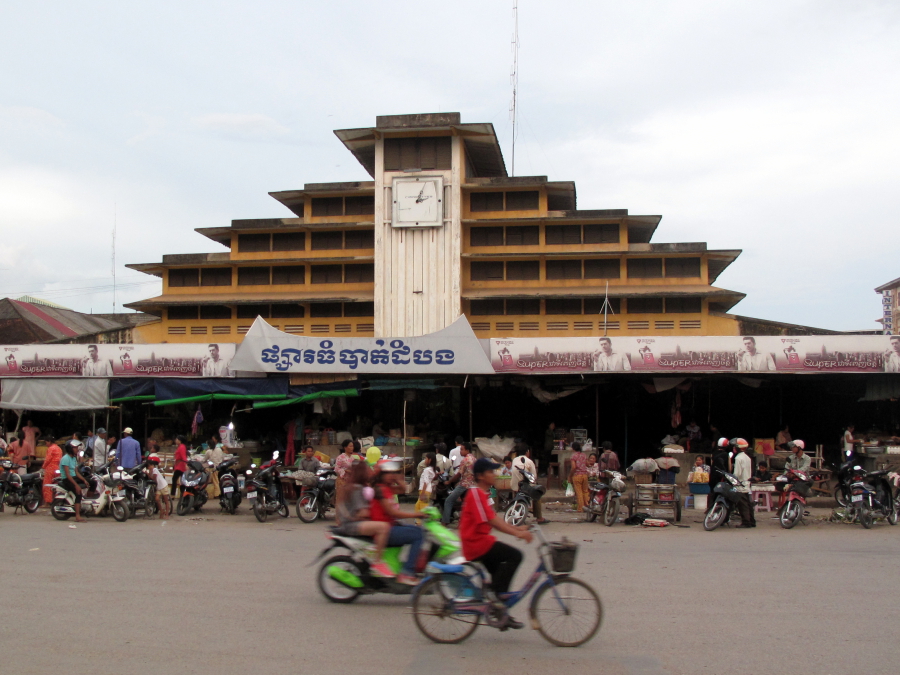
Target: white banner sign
(453, 350)
(801, 354)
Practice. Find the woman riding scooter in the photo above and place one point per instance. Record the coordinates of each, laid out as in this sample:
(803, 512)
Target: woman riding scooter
(389, 482)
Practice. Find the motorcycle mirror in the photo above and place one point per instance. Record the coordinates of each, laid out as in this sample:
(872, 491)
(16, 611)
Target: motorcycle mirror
(275, 454)
(249, 471)
(253, 466)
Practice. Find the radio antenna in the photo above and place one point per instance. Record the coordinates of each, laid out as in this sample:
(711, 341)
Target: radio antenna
(114, 258)
(514, 80)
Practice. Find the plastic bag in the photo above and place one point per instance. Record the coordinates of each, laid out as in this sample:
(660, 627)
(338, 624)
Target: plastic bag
(570, 490)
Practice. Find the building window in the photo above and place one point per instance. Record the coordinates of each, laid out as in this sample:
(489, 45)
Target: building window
(487, 270)
(289, 274)
(645, 268)
(253, 243)
(179, 278)
(645, 305)
(183, 312)
(359, 239)
(523, 270)
(326, 274)
(359, 309)
(359, 206)
(560, 202)
(327, 241)
(563, 269)
(601, 234)
(561, 235)
(327, 206)
(253, 276)
(562, 306)
(215, 276)
(683, 305)
(417, 153)
(605, 268)
(492, 307)
(289, 241)
(595, 306)
(359, 274)
(215, 312)
(519, 306)
(486, 236)
(485, 201)
(523, 235)
(682, 267)
(324, 310)
(288, 311)
(252, 311)
(523, 201)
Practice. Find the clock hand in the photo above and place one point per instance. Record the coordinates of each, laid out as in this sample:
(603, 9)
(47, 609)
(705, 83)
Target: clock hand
(419, 198)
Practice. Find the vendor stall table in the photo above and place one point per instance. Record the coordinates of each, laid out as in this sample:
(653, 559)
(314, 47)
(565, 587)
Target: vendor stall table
(655, 497)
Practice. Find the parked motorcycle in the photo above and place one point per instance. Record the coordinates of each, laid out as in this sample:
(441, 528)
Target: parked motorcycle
(230, 492)
(843, 475)
(605, 498)
(140, 491)
(97, 500)
(193, 487)
(22, 492)
(528, 492)
(316, 500)
(266, 489)
(344, 577)
(442, 490)
(725, 503)
(871, 496)
(797, 488)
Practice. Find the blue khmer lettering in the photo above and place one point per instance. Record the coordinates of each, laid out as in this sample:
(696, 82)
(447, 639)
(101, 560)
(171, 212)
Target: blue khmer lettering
(285, 359)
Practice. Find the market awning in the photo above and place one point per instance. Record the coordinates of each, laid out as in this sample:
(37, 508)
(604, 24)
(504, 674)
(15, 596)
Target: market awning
(57, 394)
(313, 392)
(882, 388)
(387, 385)
(132, 389)
(173, 391)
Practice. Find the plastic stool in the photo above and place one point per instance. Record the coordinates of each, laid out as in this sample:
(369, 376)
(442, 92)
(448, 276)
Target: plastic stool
(761, 497)
(689, 502)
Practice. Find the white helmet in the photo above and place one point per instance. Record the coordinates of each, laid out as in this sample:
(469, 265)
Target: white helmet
(722, 443)
(797, 443)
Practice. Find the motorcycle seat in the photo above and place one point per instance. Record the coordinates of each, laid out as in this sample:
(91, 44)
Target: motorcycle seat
(31, 476)
(447, 569)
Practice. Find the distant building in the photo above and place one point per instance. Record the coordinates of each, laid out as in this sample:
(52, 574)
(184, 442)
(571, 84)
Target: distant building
(41, 322)
(890, 307)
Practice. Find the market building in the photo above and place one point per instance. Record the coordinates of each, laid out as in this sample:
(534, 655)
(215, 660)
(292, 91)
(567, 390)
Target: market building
(441, 230)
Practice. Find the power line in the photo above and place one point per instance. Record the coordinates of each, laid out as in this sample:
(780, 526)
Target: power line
(514, 80)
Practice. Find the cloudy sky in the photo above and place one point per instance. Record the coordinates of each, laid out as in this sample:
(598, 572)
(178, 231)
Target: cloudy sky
(766, 126)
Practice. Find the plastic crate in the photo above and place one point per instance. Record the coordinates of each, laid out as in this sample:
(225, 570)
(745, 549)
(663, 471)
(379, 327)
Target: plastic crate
(643, 478)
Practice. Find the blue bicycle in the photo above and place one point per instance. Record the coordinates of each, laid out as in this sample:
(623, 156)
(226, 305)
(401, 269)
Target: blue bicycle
(450, 603)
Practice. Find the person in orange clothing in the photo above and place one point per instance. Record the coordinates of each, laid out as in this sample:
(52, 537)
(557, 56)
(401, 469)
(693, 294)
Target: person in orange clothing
(31, 434)
(579, 476)
(51, 465)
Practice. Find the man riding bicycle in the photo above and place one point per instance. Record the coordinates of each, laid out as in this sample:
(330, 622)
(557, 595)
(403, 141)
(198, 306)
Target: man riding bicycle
(479, 545)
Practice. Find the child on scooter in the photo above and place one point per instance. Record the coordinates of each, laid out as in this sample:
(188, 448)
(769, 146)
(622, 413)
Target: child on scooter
(163, 500)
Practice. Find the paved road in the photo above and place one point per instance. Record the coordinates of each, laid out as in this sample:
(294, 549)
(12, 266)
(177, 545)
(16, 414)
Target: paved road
(230, 595)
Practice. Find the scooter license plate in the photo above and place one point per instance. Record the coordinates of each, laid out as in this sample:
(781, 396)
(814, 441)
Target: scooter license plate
(251, 495)
(856, 498)
(228, 489)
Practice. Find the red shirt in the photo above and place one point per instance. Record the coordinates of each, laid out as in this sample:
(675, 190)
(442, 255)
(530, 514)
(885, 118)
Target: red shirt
(475, 525)
(181, 458)
(377, 512)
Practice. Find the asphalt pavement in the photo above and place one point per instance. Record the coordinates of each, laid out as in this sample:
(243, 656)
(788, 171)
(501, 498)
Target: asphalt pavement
(226, 594)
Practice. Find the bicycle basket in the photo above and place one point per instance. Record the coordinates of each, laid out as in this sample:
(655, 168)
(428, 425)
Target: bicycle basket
(562, 556)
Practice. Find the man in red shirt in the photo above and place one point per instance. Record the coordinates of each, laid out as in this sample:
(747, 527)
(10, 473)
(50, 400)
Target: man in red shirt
(180, 467)
(478, 544)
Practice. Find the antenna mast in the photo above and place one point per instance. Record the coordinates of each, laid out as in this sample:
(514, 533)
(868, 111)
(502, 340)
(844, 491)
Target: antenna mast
(114, 257)
(514, 80)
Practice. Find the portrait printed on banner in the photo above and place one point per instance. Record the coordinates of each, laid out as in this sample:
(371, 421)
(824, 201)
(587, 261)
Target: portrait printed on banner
(605, 359)
(750, 359)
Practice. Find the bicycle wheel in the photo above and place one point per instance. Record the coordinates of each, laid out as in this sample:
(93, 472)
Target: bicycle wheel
(434, 612)
(566, 611)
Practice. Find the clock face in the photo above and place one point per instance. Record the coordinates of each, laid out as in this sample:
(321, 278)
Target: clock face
(418, 202)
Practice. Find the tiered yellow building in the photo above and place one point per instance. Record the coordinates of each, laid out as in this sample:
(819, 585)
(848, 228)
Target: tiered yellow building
(441, 230)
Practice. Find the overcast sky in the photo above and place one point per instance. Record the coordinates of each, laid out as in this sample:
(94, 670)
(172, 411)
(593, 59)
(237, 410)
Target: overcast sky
(765, 126)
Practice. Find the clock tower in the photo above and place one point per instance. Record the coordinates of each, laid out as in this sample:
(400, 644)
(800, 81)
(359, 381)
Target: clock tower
(419, 163)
